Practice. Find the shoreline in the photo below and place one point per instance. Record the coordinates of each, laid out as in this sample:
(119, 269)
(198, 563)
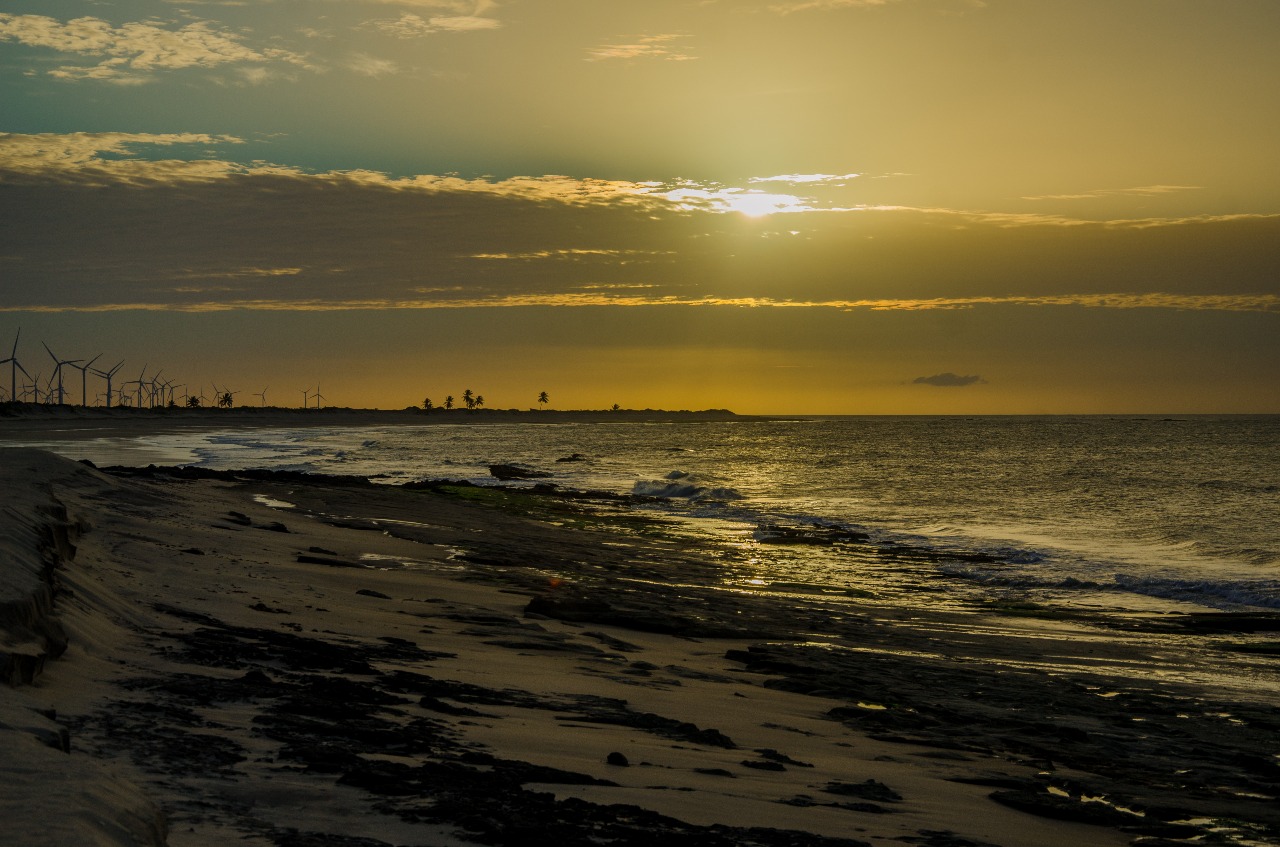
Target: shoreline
(366, 647)
(23, 415)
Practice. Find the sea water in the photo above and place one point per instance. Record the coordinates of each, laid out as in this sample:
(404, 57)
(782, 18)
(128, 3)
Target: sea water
(1124, 513)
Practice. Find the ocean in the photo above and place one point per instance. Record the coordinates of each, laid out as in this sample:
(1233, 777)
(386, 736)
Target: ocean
(1115, 514)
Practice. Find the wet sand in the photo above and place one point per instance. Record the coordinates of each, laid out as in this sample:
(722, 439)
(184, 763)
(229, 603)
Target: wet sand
(201, 658)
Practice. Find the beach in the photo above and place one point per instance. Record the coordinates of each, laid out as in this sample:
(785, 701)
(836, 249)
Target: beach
(200, 657)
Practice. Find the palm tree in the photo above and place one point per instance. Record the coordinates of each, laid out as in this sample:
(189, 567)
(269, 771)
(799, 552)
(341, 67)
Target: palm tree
(479, 401)
(193, 402)
(616, 408)
(469, 399)
(448, 402)
(543, 399)
(427, 405)
(226, 401)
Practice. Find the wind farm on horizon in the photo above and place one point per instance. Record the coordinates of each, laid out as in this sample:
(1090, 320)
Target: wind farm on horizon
(156, 391)
(28, 388)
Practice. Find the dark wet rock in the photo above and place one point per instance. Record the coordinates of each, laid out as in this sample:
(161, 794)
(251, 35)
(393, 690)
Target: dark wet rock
(1061, 808)
(242, 648)
(715, 772)
(774, 756)
(569, 608)
(193, 551)
(813, 534)
(294, 838)
(616, 758)
(263, 607)
(1227, 622)
(994, 781)
(369, 592)
(614, 643)
(307, 559)
(321, 551)
(274, 526)
(238, 518)
(575, 457)
(756, 764)
(508, 472)
(548, 644)
(1135, 743)
(870, 790)
(617, 714)
(649, 611)
(804, 801)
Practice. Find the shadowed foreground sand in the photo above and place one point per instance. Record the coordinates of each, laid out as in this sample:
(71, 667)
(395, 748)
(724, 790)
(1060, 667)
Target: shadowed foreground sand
(262, 659)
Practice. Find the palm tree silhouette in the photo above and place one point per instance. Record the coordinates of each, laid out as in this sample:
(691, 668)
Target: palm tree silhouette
(479, 401)
(427, 405)
(469, 399)
(543, 399)
(448, 402)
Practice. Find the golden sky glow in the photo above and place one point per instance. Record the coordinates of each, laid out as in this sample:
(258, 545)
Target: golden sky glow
(821, 206)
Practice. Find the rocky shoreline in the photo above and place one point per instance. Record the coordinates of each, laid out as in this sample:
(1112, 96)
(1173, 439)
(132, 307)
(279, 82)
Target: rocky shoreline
(374, 665)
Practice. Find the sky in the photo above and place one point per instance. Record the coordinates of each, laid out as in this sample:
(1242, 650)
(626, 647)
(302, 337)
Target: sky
(771, 206)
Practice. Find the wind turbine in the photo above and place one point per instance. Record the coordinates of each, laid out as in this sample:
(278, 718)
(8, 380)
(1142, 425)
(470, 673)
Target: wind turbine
(57, 371)
(84, 378)
(14, 367)
(139, 382)
(107, 375)
(263, 395)
(319, 396)
(306, 396)
(156, 388)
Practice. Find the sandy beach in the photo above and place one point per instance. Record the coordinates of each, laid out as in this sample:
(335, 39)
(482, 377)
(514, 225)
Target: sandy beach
(204, 658)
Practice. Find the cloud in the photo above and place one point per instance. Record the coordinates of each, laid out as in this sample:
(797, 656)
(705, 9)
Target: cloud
(665, 47)
(78, 157)
(574, 254)
(94, 159)
(949, 380)
(134, 50)
(797, 179)
(409, 25)
(130, 227)
(1140, 191)
(371, 66)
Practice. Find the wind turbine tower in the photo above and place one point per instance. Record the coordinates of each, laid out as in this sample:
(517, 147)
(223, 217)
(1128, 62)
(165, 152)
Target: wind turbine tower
(57, 372)
(84, 379)
(14, 367)
(107, 375)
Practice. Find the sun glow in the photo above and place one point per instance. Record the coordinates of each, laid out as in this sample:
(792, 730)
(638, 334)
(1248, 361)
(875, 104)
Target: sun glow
(753, 204)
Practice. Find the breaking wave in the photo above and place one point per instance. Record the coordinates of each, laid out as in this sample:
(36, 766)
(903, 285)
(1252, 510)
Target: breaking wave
(679, 485)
